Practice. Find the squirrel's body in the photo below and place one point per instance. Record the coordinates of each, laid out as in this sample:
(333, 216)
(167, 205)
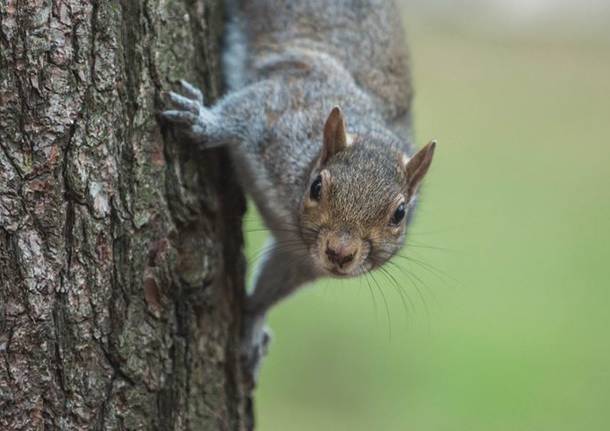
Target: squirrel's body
(336, 197)
(363, 37)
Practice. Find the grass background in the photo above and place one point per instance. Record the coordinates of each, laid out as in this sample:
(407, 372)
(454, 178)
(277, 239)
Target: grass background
(506, 312)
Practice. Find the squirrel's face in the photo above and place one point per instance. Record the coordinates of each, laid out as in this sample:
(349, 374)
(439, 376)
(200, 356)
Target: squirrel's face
(355, 210)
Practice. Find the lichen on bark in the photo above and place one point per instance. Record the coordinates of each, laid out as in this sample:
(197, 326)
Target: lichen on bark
(121, 271)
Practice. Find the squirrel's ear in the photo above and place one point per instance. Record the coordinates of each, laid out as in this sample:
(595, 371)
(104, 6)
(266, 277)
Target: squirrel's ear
(335, 137)
(417, 166)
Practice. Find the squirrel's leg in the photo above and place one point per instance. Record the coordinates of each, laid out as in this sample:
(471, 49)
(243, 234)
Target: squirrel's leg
(279, 275)
(234, 118)
(192, 119)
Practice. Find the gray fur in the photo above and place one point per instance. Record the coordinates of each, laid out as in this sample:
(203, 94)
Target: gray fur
(302, 59)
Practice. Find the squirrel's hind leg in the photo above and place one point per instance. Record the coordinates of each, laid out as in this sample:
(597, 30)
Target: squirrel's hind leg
(191, 118)
(278, 275)
(256, 337)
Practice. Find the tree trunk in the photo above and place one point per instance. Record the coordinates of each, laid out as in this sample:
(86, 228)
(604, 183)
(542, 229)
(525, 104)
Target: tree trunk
(121, 269)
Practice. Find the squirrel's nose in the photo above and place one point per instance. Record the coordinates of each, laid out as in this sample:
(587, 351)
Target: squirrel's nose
(340, 256)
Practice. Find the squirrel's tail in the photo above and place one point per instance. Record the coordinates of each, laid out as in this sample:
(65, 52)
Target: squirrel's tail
(234, 53)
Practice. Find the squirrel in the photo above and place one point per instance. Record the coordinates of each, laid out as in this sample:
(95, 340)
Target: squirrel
(317, 121)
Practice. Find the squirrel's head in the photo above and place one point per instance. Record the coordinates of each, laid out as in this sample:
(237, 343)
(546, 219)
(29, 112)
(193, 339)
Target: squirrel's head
(356, 206)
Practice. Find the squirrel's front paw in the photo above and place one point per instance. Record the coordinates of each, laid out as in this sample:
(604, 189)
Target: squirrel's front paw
(190, 117)
(254, 346)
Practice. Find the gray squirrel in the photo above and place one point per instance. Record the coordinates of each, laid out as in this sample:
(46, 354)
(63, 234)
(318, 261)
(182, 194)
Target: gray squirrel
(317, 121)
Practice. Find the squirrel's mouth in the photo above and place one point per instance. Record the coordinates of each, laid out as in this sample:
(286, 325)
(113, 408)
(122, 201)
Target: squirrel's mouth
(357, 271)
(337, 272)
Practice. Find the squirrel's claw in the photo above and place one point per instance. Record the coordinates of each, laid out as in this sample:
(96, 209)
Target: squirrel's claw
(189, 124)
(191, 91)
(184, 103)
(191, 118)
(180, 117)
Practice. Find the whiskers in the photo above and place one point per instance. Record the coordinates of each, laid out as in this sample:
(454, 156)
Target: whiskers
(288, 238)
(409, 276)
(394, 277)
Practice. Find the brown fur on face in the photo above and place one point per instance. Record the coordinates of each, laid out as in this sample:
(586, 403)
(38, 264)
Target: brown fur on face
(357, 203)
(363, 184)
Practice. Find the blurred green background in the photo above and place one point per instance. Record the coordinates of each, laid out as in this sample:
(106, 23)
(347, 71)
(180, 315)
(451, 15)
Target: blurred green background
(502, 316)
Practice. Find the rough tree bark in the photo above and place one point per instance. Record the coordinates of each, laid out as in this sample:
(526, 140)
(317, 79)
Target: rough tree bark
(121, 273)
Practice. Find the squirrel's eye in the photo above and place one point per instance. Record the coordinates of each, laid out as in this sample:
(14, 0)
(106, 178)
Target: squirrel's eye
(315, 191)
(399, 214)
